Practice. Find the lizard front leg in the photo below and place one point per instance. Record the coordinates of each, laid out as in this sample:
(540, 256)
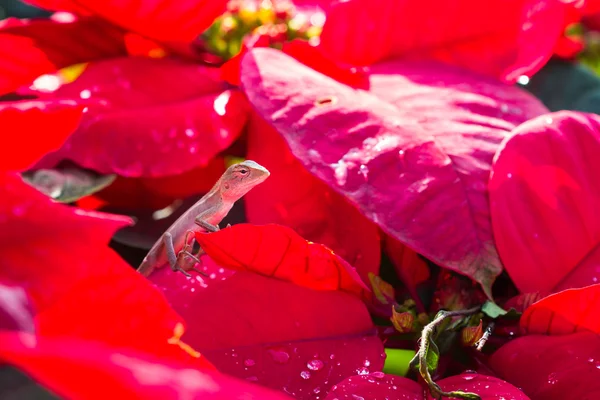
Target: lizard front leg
(171, 255)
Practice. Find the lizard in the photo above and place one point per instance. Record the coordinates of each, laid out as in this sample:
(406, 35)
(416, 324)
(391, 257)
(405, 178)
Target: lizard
(205, 215)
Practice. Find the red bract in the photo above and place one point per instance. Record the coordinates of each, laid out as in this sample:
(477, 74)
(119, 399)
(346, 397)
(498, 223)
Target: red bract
(391, 387)
(33, 128)
(15, 310)
(504, 39)
(414, 153)
(565, 312)
(29, 49)
(162, 20)
(544, 193)
(149, 117)
(77, 285)
(91, 370)
(295, 198)
(272, 332)
(565, 367)
(278, 251)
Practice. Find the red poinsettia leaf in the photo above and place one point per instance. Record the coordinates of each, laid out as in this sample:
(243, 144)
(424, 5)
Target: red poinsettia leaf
(565, 312)
(162, 20)
(16, 313)
(374, 386)
(392, 387)
(504, 40)
(522, 301)
(33, 128)
(59, 255)
(315, 58)
(320, 336)
(150, 117)
(278, 251)
(295, 198)
(29, 49)
(543, 195)
(406, 153)
(92, 370)
(411, 268)
(565, 367)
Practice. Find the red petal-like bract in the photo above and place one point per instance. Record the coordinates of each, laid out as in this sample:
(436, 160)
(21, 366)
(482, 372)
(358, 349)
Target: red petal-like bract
(295, 198)
(163, 20)
(565, 312)
(16, 313)
(150, 117)
(77, 285)
(392, 387)
(410, 268)
(503, 39)
(278, 251)
(29, 49)
(79, 369)
(272, 332)
(414, 153)
(30, 129)
(565, 367)
(544, 196)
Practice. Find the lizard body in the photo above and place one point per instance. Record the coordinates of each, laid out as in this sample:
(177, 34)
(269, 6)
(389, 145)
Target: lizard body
(205, 215)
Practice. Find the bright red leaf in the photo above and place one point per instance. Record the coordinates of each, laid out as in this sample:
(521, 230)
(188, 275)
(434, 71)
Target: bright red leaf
(410, 268)
(278, 251)
(504, 39)
(150, 117)
(565, 367)
(162, 20)
(565, 312)
(544, 193)
(29, 49)
(392, 387)
(33, 128)
(414, 153)
(77, 285)
(16, 313)
(271, 332)
(79, 369)
(295, 198)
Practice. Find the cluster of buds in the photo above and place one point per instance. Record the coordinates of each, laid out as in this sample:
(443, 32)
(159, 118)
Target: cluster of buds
(275, 20)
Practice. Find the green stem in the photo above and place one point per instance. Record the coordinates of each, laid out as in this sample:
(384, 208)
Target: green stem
(426, 334)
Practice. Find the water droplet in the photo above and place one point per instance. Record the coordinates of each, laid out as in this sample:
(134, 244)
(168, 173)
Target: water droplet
(378, 374)
(189, 132)
(212, 276)
(469, 371)
(504, 108)
(279, 356)
(317, 390)
(401, 153)
(340, 170)
(220, 103)
(548, 120)
(85, 94)
(595, 279)
(367, 363)
(552, 379)
(86, 109)
(362, 371)
(357, 397)
(332, 356)
(468, 377)
(590, 360)
(523, 80)
(221, 270)
(364, 171)
(315, 365)
(394, 387)
(249, 362)
(509, 175)
(193, 149)
(305, 374)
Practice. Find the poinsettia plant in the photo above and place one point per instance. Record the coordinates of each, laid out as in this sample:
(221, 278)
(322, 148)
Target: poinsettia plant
(427, 229)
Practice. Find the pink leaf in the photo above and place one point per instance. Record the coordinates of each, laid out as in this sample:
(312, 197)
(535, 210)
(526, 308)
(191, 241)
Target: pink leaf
(34, 128)
(392, 387)
(273, 332)
(293, 197)
(163, 20)
(94, 371)
(565, 367)
(29, 49)
(544, 193)
(414, 154)
(150, 117)
(505, 39)
(565, 312)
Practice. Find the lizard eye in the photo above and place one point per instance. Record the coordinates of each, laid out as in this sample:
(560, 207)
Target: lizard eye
(243, 171)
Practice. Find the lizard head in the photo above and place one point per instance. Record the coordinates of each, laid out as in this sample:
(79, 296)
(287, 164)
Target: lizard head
(240, 178)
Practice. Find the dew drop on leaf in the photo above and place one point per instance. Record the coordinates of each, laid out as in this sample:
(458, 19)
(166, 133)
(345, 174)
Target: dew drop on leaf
(362, 371)
(249, 362)
(305, 375)
(279, 355)
(315, 365)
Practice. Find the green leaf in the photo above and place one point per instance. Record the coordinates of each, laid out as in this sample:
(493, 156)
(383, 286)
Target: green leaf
(433, 356)
(493, 310)
(564, 85)
(397, 361)
(69, 184)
